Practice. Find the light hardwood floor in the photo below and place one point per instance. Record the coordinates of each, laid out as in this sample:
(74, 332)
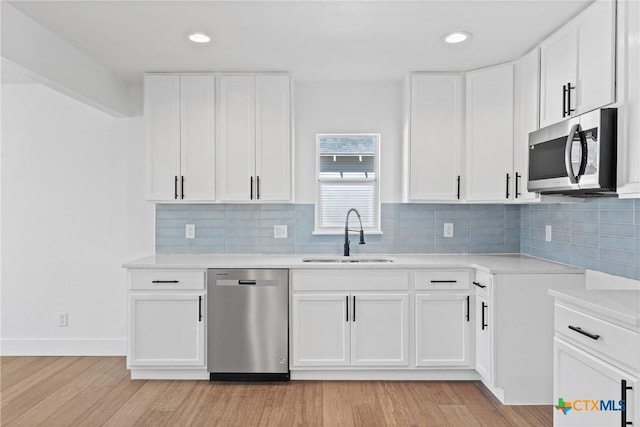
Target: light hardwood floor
(96, 391)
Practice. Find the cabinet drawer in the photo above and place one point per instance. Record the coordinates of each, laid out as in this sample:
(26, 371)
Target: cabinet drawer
(349, 280)
(606, 338)
(484, 284)
(442, 280)
(166, 279)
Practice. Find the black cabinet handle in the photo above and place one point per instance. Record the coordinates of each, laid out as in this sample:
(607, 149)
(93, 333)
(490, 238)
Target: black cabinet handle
(257, 187)
(251, 188)
(458, 195)
(623, 396)
(354, 308)
(444, 281)
(199, 308)
(518, 176)
(182, 187)
(564, 101)
(165, 281)
(569, 109)
(479, 285)
(347, 301)
(507, 192)
(175, 187)
(468, 308)
(585, 333)
(484, 325)
(247, 282)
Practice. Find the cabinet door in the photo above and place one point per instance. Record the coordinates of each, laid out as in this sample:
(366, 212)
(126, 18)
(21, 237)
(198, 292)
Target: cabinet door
(197, 115)
(526, 120)
(580, 378)
(484, 339)
(558, 67)
(235, 157)
(596, 56)
(320, 332)
(162, 132)
(489, 145)
(166, 330)
(435, 136)
(442, 330)
(273, 138)
(380, 330)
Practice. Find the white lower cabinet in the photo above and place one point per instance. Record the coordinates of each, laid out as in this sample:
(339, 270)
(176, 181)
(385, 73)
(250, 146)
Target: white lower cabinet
(484, 339)
(514, 334)
(350, 329)
(320, 330)
(166, 330)
(380, 329)
(593, 390)
(442, 329)
(167, 324)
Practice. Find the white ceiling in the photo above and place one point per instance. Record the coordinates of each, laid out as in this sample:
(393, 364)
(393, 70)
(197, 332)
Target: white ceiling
(315, 40)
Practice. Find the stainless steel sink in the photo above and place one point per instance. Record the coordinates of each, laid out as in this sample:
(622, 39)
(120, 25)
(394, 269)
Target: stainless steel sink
(347, 260)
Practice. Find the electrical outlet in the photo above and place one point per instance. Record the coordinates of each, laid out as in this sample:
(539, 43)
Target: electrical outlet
(547, 233)
(448, 229)
(279, 231)
(190, 231)
(63, 320)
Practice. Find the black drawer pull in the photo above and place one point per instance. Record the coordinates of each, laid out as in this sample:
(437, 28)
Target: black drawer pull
(585, 333)
(246, 282)
(484, 325)
(479, 285)
(624, 387)
(165, 281)
(444, 281)
(468, 309)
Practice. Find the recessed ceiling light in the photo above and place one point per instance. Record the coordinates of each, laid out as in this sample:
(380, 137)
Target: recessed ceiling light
(456, 37)
(199, 38)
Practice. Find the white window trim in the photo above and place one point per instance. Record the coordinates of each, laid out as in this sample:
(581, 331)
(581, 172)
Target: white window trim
(375, 230)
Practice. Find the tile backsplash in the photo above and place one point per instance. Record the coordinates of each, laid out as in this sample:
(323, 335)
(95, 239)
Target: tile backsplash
(598, 234)
(407, 228)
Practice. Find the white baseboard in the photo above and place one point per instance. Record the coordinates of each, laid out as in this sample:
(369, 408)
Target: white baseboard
(387, 375)
(64, 347)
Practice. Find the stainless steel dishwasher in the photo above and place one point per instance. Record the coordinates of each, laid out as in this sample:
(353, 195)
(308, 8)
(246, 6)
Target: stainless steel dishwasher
(248, 324)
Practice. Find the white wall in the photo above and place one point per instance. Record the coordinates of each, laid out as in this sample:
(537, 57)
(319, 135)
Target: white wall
(50, 60)
(326, 107)
(73, 211)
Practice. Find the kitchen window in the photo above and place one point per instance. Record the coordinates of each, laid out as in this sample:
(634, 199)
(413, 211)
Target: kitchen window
(348, 177)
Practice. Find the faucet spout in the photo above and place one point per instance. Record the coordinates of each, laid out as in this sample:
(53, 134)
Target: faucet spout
(346, 231)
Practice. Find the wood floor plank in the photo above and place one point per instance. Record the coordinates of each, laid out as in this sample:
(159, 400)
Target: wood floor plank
(97, 391)
(129, 413)
(67, 391)
(23, 367)
(78, 407)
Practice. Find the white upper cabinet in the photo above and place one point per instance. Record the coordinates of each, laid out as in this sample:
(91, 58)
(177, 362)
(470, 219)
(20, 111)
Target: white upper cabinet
(179, 125)
(578, 65)
(526, 120)
(273, 138)
(629, 102)
(436, 106)
(254, 142)
(489, 130)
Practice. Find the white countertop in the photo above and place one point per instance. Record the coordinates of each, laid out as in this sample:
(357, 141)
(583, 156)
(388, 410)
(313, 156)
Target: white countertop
(623, 305)
(493, 264)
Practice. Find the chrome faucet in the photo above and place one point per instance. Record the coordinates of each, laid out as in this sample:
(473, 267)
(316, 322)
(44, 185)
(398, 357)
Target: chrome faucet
(346, 231)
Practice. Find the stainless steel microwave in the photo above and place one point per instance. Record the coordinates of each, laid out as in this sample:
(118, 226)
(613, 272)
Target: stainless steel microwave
(576, 156)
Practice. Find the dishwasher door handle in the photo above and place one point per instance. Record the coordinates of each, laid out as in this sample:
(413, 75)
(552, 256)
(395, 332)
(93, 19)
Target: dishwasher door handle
(247, 282)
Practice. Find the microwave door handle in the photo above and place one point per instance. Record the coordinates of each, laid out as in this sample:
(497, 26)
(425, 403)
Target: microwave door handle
(567, 154)
(585, 154)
